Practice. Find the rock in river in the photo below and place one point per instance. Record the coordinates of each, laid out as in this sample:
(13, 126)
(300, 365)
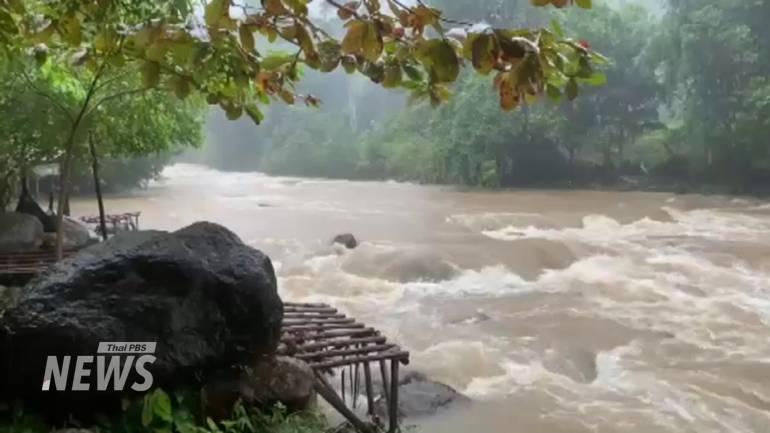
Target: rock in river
(206, 298)
(346, 239)
(19, 232)
(419, 396)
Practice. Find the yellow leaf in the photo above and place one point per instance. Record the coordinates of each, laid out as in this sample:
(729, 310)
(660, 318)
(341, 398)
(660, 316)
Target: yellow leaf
(287, 96)
(104, 40)
(72, 31)
(304, 40)
(274, 7)
(372, 42)
(156, 51)
(353, 41)
(393, 76)
(215, 11)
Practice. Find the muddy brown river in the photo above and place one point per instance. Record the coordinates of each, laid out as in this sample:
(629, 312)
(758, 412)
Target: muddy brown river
(555, 311)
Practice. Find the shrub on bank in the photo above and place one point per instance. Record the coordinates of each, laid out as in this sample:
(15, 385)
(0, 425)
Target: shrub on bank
(159, 412)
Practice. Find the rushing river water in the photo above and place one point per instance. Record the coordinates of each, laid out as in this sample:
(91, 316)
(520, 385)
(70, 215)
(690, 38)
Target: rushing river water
(556, 311)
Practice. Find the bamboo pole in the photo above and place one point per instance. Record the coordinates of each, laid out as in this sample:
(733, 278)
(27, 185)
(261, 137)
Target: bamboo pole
(325, 390)
(393, 403)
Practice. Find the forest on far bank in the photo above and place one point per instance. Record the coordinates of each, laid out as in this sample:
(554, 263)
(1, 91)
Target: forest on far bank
(683, 100)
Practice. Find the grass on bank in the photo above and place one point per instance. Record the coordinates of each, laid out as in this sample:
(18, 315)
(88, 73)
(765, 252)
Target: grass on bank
(157, 412)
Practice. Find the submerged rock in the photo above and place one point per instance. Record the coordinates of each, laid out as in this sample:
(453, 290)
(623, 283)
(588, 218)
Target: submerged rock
(419, 396)
(270, 380)
(346, 239)
(19, 232)
(577, 364)
(206, 298)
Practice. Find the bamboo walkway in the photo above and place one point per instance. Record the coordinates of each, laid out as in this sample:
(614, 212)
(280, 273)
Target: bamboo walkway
(327, 340)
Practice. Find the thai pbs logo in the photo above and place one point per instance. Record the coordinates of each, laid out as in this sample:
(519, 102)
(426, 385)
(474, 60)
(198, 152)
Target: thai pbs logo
(111, 367)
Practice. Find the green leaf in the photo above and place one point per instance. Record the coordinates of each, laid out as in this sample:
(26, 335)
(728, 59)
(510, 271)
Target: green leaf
(553, 92)
(572, 89)
(349, 63)
(444, 64)
(484, 52)
(215, 11)
(73, 33)
(596, 79)
(274, 61)
(181, 87)
(212, 425)
(232, 111)
(585, 4)
(105, 40)
(183, 52)
(247, 38)
(150, 74)
(393, 76)
(372, 42)
(161, 405)
(156, 51)
(254, 113)
(352, 43)
(557, 29)
(147, 412)
(298, 6)
(330, 52)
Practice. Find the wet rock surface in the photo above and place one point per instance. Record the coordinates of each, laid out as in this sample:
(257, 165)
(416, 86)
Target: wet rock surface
(347, 240)
(266, 382)
(419, 396)
(204, 297)
(19, 232)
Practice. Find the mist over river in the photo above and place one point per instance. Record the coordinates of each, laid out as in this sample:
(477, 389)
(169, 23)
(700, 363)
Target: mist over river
(556, 311)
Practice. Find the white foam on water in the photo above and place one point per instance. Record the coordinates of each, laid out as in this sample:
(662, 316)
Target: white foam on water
(491, 280)
(515, 376)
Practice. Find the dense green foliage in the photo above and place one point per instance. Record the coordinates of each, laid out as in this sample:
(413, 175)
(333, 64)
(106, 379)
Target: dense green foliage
(685, 102)
(217, 55)
(160, 413)
(134, 133)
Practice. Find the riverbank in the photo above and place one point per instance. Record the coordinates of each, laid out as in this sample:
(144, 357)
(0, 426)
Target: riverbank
(174, 412)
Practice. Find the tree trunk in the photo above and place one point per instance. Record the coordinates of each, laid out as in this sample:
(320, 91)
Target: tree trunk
(64, 176)
(97, 185)
(64, 180)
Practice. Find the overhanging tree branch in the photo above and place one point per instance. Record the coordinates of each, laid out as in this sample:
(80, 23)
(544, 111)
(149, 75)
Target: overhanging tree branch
(114, 96)
(45, 95)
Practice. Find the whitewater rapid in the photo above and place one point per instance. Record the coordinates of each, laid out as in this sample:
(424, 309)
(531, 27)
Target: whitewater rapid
(558, 311)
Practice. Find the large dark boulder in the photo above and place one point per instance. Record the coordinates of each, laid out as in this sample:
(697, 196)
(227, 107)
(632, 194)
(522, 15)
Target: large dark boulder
(19, 232)
(207, 299)
(347, 240)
